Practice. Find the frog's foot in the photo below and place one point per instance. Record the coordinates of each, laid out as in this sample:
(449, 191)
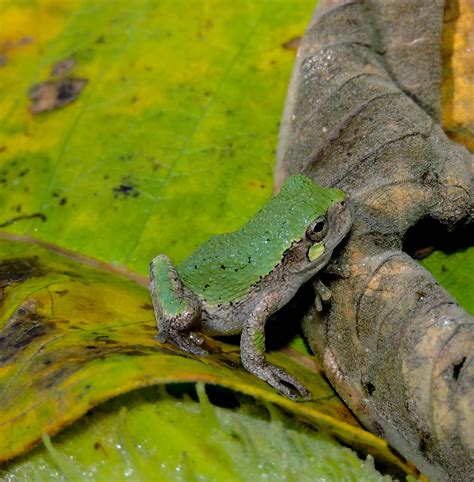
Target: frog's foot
(282, 381)
(321, 292)
(190, 342)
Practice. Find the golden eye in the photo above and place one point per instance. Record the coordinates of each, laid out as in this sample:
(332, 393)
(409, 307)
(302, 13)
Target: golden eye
(317, 230)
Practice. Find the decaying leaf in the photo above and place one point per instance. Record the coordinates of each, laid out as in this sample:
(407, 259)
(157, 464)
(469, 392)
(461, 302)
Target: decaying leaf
(362, 114)
(74, 334)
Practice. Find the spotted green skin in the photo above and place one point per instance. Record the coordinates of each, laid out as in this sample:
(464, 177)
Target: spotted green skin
(225, 268)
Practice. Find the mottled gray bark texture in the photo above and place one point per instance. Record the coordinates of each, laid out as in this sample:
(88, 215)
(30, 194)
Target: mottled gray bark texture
(362, 114)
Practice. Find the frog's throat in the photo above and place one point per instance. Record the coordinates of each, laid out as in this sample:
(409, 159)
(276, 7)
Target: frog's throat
(316, 251)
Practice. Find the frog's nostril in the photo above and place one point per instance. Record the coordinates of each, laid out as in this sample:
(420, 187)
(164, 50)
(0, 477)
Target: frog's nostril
(343, 203)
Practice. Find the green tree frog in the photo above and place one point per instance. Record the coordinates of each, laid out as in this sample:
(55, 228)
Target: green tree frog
(233, 282)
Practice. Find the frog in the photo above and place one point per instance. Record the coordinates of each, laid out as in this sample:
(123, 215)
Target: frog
(234, 282)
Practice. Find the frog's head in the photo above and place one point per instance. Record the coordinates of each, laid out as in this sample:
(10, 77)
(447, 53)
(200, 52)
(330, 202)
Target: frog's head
(321, 217)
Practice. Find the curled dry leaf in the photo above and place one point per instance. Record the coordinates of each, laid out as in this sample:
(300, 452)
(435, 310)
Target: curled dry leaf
(362, 114)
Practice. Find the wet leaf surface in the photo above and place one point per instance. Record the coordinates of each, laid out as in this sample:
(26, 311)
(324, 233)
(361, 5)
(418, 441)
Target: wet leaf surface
(141, 433)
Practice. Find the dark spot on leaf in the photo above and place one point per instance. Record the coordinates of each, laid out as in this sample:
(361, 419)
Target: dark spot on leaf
(100, 40)
(63, 201)
(62, 292)
(206, 286)
(292, 44)
(3, 148)
(9, 44)
(125, 190)
(51, 95)
(126, 157)
(105, 339)
(59, 374)
(24, 172)
(222, 266)
(147, 306)
(63, 67)
(24, 327)
(18, 270)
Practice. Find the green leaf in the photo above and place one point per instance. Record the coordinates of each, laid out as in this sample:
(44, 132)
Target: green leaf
(139, 436)
(171, 140)
(76, 334)
(454, 271)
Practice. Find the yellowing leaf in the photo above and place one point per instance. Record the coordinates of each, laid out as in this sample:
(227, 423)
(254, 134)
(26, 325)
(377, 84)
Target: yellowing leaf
(74, 335)
(150, 435)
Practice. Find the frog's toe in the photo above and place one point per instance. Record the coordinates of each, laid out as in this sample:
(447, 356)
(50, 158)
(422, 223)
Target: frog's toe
(286, 383)
(187, 342)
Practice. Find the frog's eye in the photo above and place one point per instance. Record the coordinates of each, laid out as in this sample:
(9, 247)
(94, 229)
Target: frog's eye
(317, 230)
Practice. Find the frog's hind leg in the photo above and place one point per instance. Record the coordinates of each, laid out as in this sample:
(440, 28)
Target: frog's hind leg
(177, 310)
(252, 352)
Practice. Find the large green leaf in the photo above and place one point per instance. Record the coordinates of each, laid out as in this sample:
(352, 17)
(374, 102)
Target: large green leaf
(172, 138)
(141, 442)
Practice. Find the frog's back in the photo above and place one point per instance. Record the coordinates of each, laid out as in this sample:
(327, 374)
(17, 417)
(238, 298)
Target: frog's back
(228, 265)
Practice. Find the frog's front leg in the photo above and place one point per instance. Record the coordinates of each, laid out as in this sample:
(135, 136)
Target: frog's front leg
(177, 309)
(252, 352)
(321, 292)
